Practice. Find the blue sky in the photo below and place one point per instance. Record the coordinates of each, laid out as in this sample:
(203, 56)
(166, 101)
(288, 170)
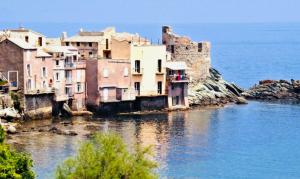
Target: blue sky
(149, 11)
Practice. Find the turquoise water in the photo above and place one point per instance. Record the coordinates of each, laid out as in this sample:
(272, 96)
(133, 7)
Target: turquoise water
(258, 140)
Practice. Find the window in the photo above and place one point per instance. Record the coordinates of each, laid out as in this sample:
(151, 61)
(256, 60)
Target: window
(44, 84)
(28, 70)
(43, 59)
(67, 43)
(126, 71)
(75, 57)
(13, 78)
(40, 41)
(78, 44)
(79, 88)
(199, 47)
(137, 66)
(105, 73)
(105, 94)
(28, 84)
(57, 76)
(90, 44)
(57, 62)
(159, 65)
(90, 54)
(137, 88)
(44, 72)
(78, 75)
(159, 87)
(26, 38)
(172, 48)
(106, 43)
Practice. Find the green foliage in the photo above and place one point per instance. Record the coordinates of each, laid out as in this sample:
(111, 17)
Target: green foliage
(16, 101)
(2, 135)
(106, 156)
(14, 164)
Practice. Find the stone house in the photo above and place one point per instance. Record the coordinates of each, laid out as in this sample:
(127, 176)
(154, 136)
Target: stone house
(195, 54)
(28, 70)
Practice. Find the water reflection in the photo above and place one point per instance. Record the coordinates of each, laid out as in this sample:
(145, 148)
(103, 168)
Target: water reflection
(170, 134)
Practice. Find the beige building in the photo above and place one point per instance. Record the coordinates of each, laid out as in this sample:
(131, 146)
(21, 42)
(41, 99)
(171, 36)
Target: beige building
(31, 37)
(148, 69)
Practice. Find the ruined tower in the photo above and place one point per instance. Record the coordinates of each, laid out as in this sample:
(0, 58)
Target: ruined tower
(195, 54)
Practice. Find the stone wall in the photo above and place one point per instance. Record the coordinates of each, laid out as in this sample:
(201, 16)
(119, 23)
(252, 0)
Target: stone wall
(195, 54)
(39, 101)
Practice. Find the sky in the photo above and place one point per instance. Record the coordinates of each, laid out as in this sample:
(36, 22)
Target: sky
(150, 11)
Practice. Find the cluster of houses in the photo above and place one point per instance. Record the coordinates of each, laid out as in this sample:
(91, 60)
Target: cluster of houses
(103, 71)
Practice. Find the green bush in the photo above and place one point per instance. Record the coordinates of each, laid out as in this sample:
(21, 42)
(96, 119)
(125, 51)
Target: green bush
(105, 156)
(2, 135)
(13, 164)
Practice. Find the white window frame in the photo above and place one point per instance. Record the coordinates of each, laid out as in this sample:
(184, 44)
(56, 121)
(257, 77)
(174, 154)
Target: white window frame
(8, 77)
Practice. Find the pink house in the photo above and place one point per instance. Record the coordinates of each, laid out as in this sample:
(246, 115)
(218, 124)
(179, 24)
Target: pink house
(109, 80)
(69, 76)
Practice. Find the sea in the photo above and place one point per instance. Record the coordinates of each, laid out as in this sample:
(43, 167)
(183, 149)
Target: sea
(258, 140)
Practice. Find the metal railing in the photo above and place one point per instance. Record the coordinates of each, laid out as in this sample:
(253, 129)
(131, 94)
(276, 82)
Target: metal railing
(137, 71)
(178, 78)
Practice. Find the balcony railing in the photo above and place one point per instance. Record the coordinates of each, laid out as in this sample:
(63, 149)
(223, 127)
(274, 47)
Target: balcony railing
(70, 65)
(178, 78)
(40, 91)
(137, 71)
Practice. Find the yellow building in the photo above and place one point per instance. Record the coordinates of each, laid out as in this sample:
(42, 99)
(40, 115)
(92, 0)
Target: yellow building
(148, 69)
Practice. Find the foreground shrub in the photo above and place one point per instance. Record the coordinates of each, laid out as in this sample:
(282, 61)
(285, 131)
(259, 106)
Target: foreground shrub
(14, 164)
(106, 156)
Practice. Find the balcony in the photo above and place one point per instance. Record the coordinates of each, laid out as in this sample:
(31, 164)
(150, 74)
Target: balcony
(137, 71)
(159, 72)
(70, 65)
(40, 91)
(178, 78)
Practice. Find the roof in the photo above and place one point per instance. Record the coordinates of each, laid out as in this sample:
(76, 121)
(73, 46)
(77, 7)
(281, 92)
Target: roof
(61, 49)
(79, 38)
(42, 53)
(53, 41)
(179, 65)
(21, 43)
(26, 30)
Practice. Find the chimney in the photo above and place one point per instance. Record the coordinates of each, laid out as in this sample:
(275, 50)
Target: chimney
(64, 35)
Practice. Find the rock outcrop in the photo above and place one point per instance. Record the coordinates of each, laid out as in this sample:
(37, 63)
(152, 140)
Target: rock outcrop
(275, 90)
(214, 91)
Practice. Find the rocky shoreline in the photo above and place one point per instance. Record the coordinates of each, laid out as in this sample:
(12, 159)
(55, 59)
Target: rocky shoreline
(214, 90)
(275, 90)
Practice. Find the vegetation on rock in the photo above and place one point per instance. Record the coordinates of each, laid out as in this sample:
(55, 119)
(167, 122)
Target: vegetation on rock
(106, 156)
(14, 164)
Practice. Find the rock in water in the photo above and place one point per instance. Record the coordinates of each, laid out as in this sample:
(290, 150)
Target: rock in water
(11, 130)
(241, 100)
(67, 110)
(213, 91)
(275, 90)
